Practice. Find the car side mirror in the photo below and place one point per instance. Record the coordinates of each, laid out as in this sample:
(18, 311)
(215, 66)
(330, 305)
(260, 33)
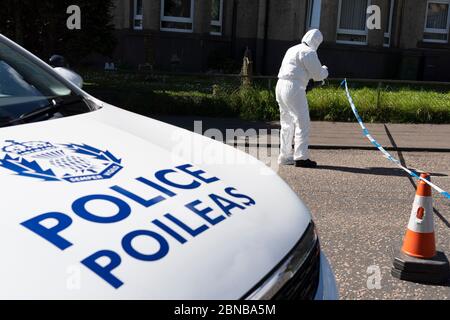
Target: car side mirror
(57, 61)
(70, 75)
(60, 66)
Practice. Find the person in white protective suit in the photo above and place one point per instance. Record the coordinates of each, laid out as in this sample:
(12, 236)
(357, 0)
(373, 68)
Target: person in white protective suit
(300, 64)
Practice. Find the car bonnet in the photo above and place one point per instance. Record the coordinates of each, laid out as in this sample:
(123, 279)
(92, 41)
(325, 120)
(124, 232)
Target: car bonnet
(97, 207)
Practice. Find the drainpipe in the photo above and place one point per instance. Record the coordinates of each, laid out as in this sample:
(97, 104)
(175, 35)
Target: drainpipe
(400, 23)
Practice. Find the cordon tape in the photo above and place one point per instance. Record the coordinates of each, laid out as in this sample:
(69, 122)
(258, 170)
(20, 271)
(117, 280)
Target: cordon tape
(386, 154)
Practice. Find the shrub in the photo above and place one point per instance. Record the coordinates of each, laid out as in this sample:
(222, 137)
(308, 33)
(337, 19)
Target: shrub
(200, 97)
(253, 104)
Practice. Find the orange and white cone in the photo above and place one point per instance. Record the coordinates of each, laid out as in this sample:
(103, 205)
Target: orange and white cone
(418, 260)
(419, 240)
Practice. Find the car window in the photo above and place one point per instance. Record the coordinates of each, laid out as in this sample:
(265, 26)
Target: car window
(26, 87)
(13, 84)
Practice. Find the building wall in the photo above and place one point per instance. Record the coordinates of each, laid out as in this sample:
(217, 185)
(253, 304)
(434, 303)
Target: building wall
(368, 61)
(375, 37)
(269, 27)
(286, 20)
(152, 12)
(121, 14)
(246, 26)
(412, 23)
(328, 20)
(169, 50)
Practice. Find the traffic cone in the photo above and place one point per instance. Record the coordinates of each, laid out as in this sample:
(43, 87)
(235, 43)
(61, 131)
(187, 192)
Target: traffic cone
(418, 260)
(419, 239)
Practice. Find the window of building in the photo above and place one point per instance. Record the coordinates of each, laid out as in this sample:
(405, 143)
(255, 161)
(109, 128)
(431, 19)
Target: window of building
(387, 24)
(437, 21)
(313, 18)
(352, 17)
(177, 15)
(216, 17)
(137, 15)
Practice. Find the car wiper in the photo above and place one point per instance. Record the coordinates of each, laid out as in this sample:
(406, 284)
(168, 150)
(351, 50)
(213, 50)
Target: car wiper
(49, 110)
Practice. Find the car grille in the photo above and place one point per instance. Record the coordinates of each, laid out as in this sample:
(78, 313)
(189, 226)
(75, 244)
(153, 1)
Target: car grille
(303, 285)
(296, 277)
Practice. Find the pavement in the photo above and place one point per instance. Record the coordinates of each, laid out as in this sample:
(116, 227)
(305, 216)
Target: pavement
(360, 201)
(332, 135)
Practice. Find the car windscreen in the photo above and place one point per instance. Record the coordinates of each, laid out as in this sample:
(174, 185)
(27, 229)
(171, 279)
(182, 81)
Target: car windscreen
(26, 87)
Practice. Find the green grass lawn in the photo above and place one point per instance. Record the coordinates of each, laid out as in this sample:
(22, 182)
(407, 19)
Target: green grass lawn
(224, 97)
(402, 105)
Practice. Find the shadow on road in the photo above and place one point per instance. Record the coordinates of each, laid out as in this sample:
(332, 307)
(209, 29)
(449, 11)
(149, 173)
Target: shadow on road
(403, 162)
(400, 154)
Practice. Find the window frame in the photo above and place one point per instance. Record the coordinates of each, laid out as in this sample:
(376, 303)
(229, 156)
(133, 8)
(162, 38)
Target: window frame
(164, 18)
(138, 17)
(310, 12)
(434, 30)
(218, 23)
(351, 31)
(389, 24)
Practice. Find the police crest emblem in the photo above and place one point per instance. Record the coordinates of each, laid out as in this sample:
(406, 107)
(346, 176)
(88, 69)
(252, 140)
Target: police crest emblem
(59, 162)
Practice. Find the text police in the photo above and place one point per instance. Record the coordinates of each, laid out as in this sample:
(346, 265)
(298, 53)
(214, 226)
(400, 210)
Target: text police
(167, 184)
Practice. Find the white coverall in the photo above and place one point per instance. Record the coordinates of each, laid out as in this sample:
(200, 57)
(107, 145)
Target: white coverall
(300, 64)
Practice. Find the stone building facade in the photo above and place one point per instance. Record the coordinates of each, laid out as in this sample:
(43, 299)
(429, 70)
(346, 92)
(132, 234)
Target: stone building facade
(200, 35)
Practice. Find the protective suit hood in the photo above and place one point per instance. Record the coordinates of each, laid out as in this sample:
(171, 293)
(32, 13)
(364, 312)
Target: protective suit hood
(313, 38)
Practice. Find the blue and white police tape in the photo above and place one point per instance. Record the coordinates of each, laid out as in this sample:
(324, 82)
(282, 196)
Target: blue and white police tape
(387, 155)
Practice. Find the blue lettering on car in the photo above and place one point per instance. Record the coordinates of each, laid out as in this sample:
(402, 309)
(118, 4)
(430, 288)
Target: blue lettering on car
(212, 210)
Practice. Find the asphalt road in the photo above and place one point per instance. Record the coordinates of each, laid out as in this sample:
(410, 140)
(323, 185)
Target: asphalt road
(361, 205)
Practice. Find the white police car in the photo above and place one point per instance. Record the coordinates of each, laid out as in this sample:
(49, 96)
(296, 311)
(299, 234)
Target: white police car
(96, 202)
